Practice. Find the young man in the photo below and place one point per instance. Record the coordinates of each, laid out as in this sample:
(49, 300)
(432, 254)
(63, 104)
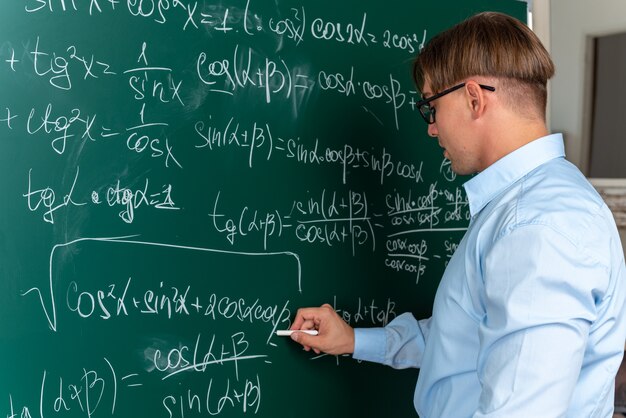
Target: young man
(529, 317)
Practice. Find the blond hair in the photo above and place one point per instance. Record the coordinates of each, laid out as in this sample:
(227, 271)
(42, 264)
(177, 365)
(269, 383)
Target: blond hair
(489, 44)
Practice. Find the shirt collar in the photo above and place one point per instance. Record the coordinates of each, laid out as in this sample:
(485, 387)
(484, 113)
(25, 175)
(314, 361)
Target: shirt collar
(486, 185)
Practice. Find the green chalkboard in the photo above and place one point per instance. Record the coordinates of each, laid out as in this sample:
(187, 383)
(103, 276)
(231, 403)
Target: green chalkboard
(179, 176)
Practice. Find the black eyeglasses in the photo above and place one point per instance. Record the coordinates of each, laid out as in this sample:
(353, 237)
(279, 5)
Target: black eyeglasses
(428, 113)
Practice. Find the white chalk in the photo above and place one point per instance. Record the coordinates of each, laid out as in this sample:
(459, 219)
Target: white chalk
(287, 333)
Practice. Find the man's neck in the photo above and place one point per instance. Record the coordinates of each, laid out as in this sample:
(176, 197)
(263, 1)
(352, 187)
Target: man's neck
(512, 135)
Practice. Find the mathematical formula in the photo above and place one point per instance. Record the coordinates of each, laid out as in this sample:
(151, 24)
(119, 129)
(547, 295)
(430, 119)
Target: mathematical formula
(182, 175)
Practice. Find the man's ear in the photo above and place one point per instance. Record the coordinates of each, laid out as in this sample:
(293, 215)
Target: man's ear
(476, 99)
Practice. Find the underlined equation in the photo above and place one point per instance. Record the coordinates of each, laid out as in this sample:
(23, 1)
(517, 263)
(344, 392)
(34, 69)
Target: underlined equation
(48, 200)
(101, 388)
(226, 337)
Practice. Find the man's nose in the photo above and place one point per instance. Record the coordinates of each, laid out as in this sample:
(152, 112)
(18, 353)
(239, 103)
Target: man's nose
(432, 130)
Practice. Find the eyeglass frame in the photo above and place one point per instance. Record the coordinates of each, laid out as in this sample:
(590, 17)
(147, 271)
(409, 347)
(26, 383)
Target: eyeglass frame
(430, 117)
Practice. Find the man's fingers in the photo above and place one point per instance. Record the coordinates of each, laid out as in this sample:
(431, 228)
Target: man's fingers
(309, 318)
(335, 335)
(308, 341)
(302, 325)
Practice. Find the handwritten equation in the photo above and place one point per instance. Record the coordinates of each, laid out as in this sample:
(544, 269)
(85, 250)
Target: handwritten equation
(182, 175)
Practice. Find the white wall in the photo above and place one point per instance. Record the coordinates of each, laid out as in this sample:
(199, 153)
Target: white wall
(571, 24)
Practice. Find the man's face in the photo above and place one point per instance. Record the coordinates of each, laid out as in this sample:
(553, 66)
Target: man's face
(452, 118)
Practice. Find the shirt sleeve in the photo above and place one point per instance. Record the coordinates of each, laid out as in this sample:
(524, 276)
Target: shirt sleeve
(400, 344)
(539, 299)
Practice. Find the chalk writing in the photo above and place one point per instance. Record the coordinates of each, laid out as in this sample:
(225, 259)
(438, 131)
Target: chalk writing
(62, 125)
(109, 294)
(182, 175)
(261, 137)
(367, 312)
(46, 199)
(297, 27)
(243, 396)
(245, 69)
(123, 300)
(332, 219)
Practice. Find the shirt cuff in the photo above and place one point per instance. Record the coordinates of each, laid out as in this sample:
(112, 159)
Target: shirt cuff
(370, 344)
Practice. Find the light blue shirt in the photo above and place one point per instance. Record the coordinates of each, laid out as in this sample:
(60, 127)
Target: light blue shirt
(529, 317)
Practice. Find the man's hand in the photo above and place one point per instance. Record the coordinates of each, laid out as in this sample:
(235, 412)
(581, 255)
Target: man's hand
(335, 336)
